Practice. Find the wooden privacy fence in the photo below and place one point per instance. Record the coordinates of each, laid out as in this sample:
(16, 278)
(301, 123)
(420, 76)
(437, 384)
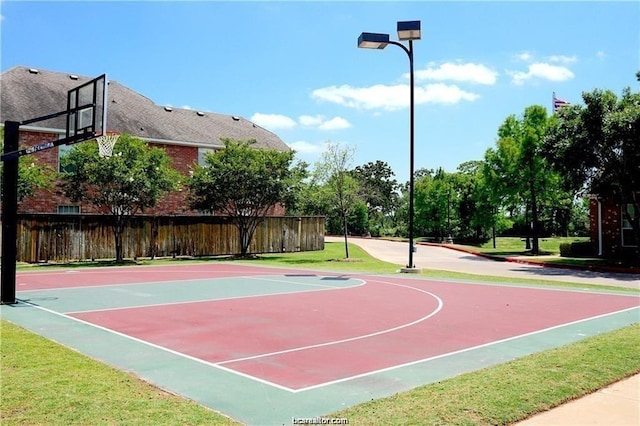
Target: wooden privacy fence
(64, 238)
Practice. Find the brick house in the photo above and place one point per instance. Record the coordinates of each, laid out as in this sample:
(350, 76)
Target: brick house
(185, 134)
(610, 231)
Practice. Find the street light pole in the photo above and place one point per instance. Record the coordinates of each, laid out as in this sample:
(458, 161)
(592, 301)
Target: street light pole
(407, 30)
(411, 265)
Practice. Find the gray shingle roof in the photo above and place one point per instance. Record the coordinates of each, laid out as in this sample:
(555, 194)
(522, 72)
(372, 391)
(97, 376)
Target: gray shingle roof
(26, 94)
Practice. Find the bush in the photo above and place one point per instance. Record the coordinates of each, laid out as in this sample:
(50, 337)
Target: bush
(577, 249)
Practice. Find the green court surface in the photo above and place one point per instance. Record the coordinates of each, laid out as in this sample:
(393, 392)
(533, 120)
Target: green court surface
(56, 314)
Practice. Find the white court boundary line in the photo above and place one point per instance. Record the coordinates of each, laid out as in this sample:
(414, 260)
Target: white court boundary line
(350, 339)
(239, 373)
(162, 348)
(186, 302)
(344, 379)
(484, 345)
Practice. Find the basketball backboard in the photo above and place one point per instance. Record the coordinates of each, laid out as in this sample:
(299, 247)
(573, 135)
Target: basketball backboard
(87, 109)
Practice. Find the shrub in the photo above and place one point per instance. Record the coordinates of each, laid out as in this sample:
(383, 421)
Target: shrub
(577, 249)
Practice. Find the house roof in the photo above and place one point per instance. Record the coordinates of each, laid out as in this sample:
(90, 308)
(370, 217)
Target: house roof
(28, 93)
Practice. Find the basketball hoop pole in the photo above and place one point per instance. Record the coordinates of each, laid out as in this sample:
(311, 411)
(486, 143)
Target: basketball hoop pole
(83, 122)
(9, 214)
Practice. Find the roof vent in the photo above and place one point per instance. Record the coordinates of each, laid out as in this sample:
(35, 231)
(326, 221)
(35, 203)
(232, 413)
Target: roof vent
(168, 109)
(235, 118)
(73, 77)
(200, 113)
(33, 71)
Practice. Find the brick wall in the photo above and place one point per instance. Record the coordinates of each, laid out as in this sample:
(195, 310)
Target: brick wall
(183, 159)
(611, 226)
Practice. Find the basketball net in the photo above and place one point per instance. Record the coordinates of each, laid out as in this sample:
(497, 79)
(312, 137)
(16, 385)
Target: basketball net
(106, 144)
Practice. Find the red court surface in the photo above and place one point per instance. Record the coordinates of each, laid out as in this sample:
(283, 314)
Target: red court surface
(302, 340)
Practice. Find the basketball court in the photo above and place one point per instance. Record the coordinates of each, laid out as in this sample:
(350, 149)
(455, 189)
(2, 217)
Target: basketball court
(265, 345)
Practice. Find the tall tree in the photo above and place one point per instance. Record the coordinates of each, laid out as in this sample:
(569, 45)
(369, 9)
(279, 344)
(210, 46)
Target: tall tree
(244, 183)
(596, 149)
(123, 185)
(332, 172)
(379, 191)
(520, 166)
(433, 203)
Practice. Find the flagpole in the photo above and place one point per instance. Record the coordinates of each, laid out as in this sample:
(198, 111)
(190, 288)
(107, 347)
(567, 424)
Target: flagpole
(553, 102)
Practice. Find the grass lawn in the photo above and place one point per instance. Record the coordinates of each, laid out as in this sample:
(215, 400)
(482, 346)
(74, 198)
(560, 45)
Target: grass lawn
(46, 384)
(515, 246)
(549, 252)
(512, 391)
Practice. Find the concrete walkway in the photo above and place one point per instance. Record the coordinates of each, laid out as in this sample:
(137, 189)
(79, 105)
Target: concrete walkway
(615, 405)
(444, 259)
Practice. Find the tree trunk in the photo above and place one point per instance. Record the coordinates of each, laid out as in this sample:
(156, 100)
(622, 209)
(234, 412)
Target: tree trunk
(527, 230)
(118, 235)
(534, 219)
(493, 235)
(346, 245)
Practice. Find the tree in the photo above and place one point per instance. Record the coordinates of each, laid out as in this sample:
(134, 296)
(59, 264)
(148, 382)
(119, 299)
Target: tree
(378, 190)
(123, 185)
(438, 204)
(31, 175)
(596, 148)
(332, 172)
(244, 183)
(520, 171)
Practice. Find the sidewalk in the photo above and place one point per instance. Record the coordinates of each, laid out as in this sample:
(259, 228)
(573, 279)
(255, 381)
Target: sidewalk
(615, 405)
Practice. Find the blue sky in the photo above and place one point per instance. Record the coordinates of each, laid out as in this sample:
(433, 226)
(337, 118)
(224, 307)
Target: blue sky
(295, 69)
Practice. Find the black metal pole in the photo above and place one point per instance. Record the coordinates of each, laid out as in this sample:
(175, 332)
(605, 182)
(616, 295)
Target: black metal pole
(9, 214)
(411, 265)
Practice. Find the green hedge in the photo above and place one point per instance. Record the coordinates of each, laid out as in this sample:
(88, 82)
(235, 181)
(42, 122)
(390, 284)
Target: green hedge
(577, 249)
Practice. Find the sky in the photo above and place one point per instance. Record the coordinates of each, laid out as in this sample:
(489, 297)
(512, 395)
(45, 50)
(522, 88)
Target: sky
(294, 67)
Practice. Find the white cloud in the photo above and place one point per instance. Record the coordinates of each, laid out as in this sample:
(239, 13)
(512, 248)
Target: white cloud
(543, 71)
(336, 123)
(304, 147)
(279, 121)
(320, 122)
(391, 97)
(469, 72)
(524, 56)
(443, 94)
(563, 59)
(273, 121)
(600, 54)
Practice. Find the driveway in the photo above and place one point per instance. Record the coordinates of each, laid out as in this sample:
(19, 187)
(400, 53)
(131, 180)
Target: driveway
(440, 258)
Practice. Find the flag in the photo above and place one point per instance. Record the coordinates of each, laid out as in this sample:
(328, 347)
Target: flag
(559, 103)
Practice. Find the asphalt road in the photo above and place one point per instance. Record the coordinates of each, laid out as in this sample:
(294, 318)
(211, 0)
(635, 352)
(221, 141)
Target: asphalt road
(440, 258)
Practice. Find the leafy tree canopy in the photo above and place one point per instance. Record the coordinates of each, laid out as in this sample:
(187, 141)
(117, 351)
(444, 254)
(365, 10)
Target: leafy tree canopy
(131, 180)
(244, 183)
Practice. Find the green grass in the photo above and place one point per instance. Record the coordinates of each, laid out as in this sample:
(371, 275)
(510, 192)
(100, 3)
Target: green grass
(512, 391)
(549, 253)
(515, 246)
(44, 383)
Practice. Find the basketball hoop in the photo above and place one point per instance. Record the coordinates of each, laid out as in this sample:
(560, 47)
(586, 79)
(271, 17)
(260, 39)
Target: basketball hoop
(106, 144)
